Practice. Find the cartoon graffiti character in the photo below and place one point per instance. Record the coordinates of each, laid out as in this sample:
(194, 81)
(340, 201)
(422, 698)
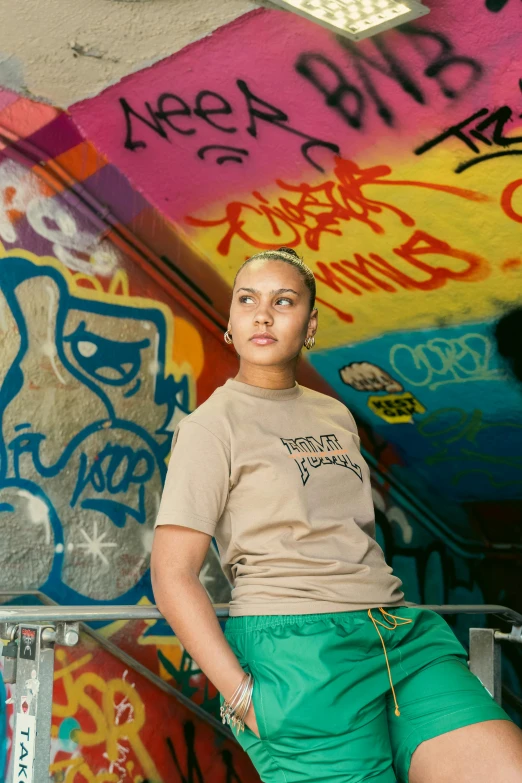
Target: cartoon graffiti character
(87, 409)
(363, 376)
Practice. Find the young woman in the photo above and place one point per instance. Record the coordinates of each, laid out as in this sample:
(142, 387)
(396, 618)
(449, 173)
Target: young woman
(325, 672)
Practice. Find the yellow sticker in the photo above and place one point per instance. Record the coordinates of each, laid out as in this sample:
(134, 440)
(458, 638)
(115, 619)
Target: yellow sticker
(395, 408)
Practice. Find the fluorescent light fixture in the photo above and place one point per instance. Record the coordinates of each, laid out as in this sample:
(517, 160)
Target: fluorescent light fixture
(356, 19)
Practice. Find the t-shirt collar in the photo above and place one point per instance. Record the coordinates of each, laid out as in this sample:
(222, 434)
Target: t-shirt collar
(260, 391)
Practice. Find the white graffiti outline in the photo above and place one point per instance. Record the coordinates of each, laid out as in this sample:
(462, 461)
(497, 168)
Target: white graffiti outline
(450, 353)
(95, 544)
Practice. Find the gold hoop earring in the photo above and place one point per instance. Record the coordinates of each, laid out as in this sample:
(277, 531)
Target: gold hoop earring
(227, 337)
(309, 342)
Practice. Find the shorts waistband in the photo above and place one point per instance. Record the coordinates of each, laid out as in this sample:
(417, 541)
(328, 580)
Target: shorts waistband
(253, 622)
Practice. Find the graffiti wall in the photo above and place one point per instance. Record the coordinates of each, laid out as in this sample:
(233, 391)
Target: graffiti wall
(111, 725)
(391, 166)
(99, 361)
(98, 365)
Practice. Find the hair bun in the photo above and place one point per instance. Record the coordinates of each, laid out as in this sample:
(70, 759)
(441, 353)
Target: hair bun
(287, 250)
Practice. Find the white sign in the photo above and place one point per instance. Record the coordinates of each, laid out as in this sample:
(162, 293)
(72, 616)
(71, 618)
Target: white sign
(23, 756)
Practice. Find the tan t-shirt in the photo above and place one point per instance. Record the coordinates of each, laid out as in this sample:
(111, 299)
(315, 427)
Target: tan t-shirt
(277, 477)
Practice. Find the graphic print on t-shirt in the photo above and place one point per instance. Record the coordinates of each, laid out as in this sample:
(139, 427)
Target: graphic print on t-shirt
(310, 452)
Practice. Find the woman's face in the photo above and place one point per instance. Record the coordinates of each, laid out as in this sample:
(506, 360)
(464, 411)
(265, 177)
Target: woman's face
(270, 296)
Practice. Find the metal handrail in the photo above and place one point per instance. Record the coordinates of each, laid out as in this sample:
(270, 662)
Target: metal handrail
(39, 628)
(84, 613)
(122, 656)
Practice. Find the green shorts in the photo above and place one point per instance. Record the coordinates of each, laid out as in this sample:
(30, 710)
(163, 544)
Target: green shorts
(323, 697)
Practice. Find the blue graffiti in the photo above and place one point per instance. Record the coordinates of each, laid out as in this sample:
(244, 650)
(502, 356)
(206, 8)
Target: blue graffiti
(94, 354)
(110, 456)
(469, 451)
(113, 471)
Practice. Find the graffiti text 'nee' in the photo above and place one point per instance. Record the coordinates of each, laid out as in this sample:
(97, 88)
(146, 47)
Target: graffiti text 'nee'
(170, 110)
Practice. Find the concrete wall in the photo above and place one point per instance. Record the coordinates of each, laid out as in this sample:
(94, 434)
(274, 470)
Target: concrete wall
(61, 52)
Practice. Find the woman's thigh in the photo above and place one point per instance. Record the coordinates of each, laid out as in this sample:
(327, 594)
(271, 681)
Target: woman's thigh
(477, 753)
(442, 696)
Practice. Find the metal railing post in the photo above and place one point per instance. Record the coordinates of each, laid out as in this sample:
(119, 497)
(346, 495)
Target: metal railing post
(32, 676)
(33, 700)
(485, 660)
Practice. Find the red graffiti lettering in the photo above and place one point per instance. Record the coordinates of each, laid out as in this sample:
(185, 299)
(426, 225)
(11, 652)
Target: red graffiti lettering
(374, 273)
(314, 210)
(506, 200)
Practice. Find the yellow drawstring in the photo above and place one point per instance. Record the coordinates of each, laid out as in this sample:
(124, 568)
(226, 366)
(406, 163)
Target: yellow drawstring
(405, 621)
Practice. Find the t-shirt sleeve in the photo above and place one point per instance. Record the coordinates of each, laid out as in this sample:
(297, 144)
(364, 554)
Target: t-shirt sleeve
(198, 479)
(353, 423)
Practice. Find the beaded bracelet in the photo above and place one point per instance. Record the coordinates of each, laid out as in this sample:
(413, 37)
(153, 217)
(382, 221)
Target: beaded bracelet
(233, 712)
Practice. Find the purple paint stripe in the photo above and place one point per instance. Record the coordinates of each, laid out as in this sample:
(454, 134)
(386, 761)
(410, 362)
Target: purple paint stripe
(110, 187)
(56, 137)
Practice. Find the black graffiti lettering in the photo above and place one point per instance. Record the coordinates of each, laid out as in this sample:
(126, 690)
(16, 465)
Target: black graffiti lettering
(390, 66)
(192, 765)
(496, 120)
(234, 157)
(154, 124)
(228, 761)
(258, 110)
(328, 78)
(273, 115)
(446, 62)
(165, 114)
(453, 130)
(278, 118)
(206, 112)
(308, 145)
(454, 74)
(496, 5)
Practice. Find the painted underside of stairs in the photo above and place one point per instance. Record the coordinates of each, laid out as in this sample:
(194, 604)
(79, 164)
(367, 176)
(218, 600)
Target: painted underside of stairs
(122, 222)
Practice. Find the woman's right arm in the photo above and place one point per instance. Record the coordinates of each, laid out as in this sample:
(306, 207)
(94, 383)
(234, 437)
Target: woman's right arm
(177, 557)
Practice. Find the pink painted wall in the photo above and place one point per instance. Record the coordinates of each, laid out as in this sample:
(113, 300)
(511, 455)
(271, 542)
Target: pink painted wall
(438, 63)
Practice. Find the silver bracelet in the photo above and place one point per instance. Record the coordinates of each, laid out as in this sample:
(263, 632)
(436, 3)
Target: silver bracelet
(233, 712)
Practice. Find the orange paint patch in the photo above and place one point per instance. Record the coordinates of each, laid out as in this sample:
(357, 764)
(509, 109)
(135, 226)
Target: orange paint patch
(82, 161)
(172, 653)
(511, 263)
(188, 347)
